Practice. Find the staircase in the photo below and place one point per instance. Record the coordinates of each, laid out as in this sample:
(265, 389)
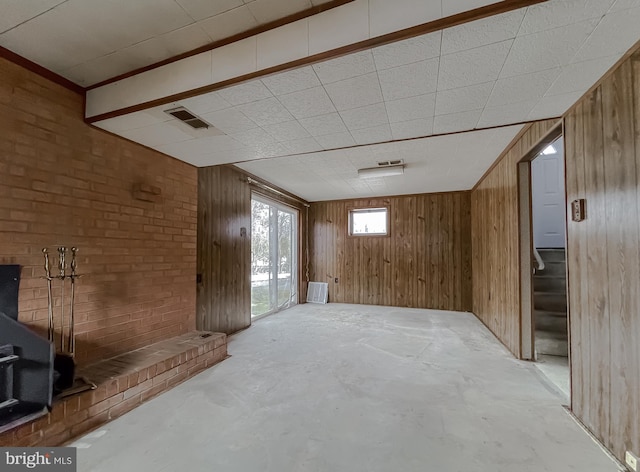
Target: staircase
(550, 304)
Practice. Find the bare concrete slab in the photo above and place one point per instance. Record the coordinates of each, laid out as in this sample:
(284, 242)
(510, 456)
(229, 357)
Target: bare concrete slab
(353, 388)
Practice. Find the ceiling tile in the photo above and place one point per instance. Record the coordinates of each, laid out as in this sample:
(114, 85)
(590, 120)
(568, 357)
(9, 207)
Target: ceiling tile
(228, 23)
(291, 81)
(581, 76)
(229, 121)
(561, 13)
(167, 45)
(270, 10)
(287, 131)
(336, 140)
(15, 12)
(206, 103)
(472, 66)
(356, 92)
(121, 23)
(506, 114)
(531, 53)
(410, 80)
(299, 146)
(94, 70)
(139, 119)
(451, 7)
(412, 129)
(407, 109)
(386, 17)
(226, 157)
(254, 137)
(456, 122)
(283, 45)
(55, 40)
(270, 150)
(463, 99)
(234, 60)
(199, 147)
(245, 93)
(340, 26)
(324, 124)
(377, 134)
(330, 175)
(307, 103)
(554, 106)
(365, 117)
(407, 51)
(522, 87)
(345, 67)
(493, 29)
(265, 112)
(615, 34)
(158, 134)
(625, 4)
(201, 9)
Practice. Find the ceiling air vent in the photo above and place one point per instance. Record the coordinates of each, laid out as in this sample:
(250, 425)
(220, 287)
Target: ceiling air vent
(384, 169)
(187, 117)
(390, 163)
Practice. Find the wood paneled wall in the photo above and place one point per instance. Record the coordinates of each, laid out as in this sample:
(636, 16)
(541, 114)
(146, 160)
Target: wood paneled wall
(602, 139)
(224, 250)
(424, 263)
(495, 242)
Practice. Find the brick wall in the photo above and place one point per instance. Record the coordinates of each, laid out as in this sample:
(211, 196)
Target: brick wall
(63, 182)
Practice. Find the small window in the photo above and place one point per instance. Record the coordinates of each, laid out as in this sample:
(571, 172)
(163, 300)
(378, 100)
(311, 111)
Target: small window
(368, 222)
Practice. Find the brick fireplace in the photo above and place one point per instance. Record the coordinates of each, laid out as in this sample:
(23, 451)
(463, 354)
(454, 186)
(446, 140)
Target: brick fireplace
(63, 182)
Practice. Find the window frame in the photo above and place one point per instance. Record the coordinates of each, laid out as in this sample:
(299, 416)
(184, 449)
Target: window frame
(368, 209)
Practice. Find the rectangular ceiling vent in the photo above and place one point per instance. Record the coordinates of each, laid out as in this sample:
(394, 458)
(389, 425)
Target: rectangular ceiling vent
(187, 117)
(397, 162)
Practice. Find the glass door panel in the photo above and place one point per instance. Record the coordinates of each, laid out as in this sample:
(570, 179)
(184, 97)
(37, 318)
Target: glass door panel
(273, 256)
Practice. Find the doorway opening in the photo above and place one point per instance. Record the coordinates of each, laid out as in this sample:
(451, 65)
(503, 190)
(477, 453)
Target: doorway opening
(543, 257)
(274, 256)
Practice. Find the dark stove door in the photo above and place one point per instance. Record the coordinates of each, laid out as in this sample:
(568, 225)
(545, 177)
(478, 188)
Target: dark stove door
(9, 284)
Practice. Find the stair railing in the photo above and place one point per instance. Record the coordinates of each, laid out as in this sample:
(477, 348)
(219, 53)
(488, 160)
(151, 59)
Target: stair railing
(539, 261)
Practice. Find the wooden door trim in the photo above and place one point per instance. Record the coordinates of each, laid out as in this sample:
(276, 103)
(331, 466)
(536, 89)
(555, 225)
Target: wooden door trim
(525, 240)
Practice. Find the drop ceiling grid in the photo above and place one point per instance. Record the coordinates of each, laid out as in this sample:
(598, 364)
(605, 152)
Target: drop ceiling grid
(305, 113)
(443, 163)
(346, 101)
(90, 41)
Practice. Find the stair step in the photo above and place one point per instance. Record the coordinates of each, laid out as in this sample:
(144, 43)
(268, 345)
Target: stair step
(552, 345)
(556, 284)
(553, 269)
(552, 255)
(547, 301)
(551, 322)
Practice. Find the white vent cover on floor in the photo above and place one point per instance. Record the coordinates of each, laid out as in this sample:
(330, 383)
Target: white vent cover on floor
(318, 292)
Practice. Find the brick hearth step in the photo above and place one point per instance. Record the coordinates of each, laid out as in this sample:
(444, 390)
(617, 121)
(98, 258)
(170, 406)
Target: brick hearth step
(123, 382)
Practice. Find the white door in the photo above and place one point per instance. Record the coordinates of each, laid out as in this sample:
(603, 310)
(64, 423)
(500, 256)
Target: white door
(548, 197)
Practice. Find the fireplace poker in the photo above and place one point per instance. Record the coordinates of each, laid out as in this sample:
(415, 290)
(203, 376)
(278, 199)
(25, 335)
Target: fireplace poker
(62, 266)
(47, 271)
(72, 332)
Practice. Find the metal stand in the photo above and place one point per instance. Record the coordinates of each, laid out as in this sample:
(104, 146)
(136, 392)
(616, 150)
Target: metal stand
(66, 383)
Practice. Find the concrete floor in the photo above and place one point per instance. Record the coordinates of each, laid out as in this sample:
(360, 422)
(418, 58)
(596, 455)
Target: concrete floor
(353, 388)
(556, 370)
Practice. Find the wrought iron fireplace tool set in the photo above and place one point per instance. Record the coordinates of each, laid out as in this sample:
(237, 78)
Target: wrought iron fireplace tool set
(64, 363)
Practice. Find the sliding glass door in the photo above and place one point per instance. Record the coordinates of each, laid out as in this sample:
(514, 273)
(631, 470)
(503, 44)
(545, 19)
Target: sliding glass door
(274, 256)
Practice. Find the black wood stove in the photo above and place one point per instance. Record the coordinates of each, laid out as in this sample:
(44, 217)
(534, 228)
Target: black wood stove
(26, 360)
